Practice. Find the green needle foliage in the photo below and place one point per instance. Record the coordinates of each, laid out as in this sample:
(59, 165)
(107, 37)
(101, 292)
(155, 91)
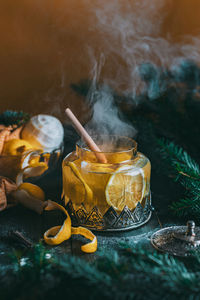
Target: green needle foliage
(10, 117)
(187, 172)
(126, 274)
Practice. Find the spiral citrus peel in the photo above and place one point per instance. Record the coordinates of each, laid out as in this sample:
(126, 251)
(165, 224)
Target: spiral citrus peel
(59, 234)
(33, 197)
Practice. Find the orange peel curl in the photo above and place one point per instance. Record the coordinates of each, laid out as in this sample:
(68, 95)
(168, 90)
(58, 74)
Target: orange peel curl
(59, 234)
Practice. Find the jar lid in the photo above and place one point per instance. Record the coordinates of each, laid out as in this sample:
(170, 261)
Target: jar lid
(177, 240)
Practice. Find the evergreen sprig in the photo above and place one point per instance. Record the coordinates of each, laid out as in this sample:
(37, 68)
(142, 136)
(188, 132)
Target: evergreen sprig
(10, 117)
(187, 172)
(183, 164)
(129, 273)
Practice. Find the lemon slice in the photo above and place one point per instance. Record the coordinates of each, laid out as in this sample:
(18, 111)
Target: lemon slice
(126, 187)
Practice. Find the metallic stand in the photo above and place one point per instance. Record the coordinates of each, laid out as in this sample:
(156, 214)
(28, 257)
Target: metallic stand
(111, 220)
(177, 240)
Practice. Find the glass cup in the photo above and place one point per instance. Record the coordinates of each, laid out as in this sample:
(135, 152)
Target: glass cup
(107, 196)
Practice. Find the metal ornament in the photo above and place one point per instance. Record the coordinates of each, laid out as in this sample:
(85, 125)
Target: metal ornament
(177, 240)
(111, 220)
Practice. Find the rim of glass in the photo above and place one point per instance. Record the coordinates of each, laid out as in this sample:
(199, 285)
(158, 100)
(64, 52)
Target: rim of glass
(81, 144)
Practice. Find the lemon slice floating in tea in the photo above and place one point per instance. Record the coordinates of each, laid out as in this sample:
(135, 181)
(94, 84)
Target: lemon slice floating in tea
(126, 187)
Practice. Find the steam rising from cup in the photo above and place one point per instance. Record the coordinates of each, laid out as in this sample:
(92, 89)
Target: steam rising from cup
(134, 59)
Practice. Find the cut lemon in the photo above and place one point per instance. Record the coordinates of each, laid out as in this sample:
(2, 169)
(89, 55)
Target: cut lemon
(126, 187)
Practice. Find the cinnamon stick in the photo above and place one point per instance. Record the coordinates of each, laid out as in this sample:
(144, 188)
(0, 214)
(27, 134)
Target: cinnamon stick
(86, 137)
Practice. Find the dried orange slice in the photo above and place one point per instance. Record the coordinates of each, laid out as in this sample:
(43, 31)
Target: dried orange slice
(126, 187)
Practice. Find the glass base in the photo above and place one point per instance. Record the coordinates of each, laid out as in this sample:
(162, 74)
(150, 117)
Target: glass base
(111, 220)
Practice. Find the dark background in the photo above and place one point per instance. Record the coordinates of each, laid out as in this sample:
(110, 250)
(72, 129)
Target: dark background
(44, 48)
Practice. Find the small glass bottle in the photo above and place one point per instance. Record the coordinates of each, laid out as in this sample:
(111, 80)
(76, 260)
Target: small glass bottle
(107, 196)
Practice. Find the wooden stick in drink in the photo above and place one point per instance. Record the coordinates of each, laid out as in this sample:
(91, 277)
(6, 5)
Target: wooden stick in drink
(86, 137)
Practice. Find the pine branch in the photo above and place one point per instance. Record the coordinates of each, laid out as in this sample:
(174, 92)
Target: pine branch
(120, 275)
(187, 173)
(186, 208)
(180, 160)
(10, 117)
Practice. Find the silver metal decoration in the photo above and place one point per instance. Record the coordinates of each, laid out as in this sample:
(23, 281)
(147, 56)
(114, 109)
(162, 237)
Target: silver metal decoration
(177, 240)
(111, 220)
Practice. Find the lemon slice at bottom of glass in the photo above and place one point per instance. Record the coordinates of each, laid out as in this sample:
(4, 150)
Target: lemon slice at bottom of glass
(126, 187)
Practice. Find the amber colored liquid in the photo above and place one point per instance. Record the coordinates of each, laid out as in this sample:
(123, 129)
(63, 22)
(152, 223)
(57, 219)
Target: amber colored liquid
(98, 180)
